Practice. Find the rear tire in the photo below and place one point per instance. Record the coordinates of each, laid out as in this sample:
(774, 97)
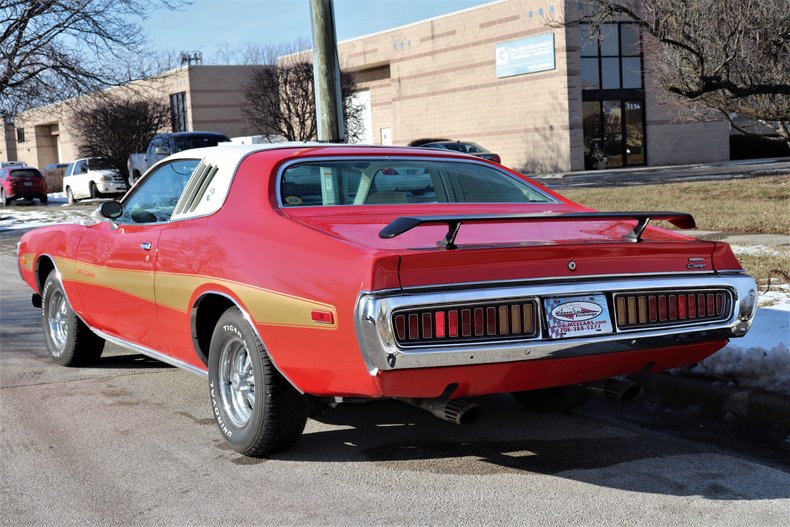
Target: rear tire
(255, 408)
(43, 199)
(69, 341)
(550, 400)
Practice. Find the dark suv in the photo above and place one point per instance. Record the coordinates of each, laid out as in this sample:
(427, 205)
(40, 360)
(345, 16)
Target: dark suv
(21, 182)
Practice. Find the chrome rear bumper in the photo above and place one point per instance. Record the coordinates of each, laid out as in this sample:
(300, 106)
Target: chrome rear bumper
(381, 351)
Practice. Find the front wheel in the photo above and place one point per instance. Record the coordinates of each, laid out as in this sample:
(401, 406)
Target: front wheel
(70, 196)
(69, 341)
(94, 191)
(255, 408)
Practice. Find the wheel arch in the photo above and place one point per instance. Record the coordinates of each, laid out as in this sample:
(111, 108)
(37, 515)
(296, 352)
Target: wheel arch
(44, 266)
(206, 311)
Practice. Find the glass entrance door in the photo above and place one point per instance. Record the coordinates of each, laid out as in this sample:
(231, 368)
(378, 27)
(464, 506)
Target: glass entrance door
(634, 132)
(614, 133)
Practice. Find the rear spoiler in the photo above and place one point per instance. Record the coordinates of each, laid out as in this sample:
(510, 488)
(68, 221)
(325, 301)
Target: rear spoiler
(407, 223)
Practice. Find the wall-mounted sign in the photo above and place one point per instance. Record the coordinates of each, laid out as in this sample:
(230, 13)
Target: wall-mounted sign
(527, 55)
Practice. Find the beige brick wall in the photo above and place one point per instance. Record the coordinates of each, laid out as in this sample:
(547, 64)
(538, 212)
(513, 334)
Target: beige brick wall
(215, 99)
(443, 83)
(213, 95)
(676, 136)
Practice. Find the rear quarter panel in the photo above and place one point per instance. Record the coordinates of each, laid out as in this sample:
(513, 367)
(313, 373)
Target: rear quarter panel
(278, 271)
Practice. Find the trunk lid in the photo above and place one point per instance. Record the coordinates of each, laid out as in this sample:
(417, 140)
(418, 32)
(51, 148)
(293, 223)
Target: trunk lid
(508, 249)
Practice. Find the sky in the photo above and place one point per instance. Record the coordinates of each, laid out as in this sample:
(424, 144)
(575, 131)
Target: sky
(206, 25)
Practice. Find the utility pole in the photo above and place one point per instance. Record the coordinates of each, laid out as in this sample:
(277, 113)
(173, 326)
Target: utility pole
(326, 73)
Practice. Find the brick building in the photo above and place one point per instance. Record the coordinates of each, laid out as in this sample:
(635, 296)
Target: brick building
(544, 98)
(201, 97)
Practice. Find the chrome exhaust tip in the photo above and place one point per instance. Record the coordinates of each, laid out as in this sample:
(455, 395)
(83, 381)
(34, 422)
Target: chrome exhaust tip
(614, 389)
(456, 411)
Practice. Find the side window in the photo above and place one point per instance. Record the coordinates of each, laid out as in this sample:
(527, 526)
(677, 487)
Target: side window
(155, 197)
(155, 143)
(81, 167)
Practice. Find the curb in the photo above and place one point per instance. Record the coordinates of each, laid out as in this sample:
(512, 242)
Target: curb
(753, 406)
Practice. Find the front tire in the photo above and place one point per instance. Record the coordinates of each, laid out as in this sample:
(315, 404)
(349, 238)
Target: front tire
(94, 191)
(70, 196)
(255, 408)
(69, 341)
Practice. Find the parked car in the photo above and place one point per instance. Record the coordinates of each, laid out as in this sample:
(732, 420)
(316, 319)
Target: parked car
(466, 147)
(21, 181)
(92, 178)
(8, 164)
(298, 273)
(163, 145)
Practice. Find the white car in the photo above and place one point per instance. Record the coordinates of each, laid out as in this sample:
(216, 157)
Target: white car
(92, 178)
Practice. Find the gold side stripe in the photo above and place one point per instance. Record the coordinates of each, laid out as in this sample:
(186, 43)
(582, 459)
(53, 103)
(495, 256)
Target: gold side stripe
(175, 291)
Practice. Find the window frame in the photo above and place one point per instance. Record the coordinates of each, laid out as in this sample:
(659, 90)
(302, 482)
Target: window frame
(179, 116)
(137, 188)
(599, 56)
(301, 160)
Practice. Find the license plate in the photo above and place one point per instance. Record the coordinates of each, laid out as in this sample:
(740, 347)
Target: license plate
(577, 316)
(28, 183)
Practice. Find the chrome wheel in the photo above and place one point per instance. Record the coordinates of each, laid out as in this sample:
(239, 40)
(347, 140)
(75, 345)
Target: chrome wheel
(58, 320)
(236, 381)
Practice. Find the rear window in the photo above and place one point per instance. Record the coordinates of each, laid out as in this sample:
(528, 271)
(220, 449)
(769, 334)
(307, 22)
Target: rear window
(25, 172)
(398, 181)
(197, 141)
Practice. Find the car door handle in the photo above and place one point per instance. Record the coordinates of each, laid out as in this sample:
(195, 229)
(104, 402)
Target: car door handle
(146, 246)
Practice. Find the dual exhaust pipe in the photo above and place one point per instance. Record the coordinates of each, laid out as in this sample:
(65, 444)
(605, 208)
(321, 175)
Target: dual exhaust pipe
(462, 412)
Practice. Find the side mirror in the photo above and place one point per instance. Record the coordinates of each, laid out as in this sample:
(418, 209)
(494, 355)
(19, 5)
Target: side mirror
(111, 210)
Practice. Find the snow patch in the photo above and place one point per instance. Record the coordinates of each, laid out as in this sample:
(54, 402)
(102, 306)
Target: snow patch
(12, 219)
(761, 359)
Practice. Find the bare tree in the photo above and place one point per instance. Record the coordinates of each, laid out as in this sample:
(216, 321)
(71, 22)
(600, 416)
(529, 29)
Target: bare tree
(115, 126)
(731, 56)
(51, 50)
(280, 99)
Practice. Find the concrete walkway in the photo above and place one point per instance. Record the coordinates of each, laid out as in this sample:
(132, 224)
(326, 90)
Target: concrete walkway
(739, 238)
(667, 174)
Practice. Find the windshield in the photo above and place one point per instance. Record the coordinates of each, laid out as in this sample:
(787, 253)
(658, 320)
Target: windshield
(97, 163)
(197, 141)
(467, 148)
(397, 181)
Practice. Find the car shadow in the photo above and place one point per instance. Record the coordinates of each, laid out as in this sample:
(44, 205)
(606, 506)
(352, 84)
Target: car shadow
(133, 361)
(509, 439)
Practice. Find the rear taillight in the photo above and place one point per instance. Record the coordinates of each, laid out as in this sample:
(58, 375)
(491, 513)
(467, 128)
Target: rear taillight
(634, 310)
(496, 159)
(466, 323)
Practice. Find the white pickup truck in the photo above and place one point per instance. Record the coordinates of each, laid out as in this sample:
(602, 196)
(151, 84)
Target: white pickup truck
(163, 145)
(92, 178)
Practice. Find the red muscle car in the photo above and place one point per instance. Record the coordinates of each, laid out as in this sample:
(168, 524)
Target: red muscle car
(292, 273)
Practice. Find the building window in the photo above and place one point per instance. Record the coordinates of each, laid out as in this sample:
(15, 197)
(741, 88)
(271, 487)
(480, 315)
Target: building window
(613, 96)
(178, 111)
(612, 61)
(20, 135)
